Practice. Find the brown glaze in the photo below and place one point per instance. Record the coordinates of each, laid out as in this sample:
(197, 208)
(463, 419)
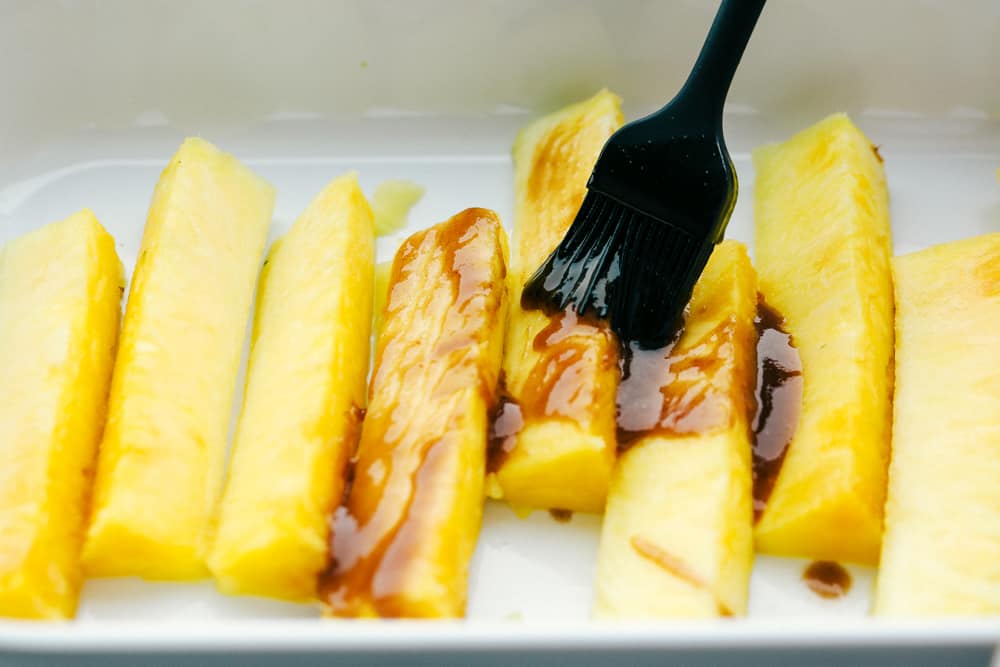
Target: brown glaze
(675, 566)
(779, 398)
(464, 258)
(561, 515)
(505, 422)
(827, 579)
(570, 347)
(442, 303)
(559, 385)
(356, 417)
(676, 389)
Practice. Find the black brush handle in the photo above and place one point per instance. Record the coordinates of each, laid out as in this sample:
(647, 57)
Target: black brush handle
(707, 85)
(673, 164)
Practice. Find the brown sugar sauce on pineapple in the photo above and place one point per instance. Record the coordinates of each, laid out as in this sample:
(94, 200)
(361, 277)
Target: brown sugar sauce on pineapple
(670, 391)
(678, 389)
(696, 383)
(779, 398)
(505, 422)
(408, 442)
(571, 345)
(568, 345)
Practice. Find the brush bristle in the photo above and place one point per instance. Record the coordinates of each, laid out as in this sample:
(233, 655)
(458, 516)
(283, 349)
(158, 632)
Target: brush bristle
(618, 264)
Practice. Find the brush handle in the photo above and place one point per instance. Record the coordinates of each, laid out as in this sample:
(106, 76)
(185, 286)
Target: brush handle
(707, 85)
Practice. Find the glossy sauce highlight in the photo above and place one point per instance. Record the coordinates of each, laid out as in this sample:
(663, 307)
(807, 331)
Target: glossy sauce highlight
(570, 350)
(779, 398)
(674, 391)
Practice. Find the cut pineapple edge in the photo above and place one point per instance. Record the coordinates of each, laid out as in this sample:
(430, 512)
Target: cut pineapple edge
(160, 462)
(60, 304)
(391, 203)
(304, 397)
(942, 520)
(561, 373)
(822, 228)
(403, 539)
(677, 537)
(383, 270)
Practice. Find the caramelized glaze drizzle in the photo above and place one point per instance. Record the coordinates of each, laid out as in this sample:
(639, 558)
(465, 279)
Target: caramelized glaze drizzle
(571, 346)
(559, 386)
(827, 579)
(505, 422)
(440, 276)
(356, 418)
(779, 395)
(678, 389)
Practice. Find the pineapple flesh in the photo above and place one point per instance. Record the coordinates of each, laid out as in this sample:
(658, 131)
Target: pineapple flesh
(383, 270)
(404, 537)
(677, 539)
(60, 305)
(304, 396)
(160, 461)
(391, 203)
(561, 373)
(941, 550)
(823, 248)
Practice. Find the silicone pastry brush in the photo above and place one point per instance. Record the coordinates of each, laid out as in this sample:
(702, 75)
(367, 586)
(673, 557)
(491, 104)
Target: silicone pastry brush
(658, 201)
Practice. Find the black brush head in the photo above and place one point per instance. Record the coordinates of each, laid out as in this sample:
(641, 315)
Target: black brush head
(622, 266)
(656, 205)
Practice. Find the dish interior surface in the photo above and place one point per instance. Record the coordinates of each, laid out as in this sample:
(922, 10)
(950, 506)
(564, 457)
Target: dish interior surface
(533, 569)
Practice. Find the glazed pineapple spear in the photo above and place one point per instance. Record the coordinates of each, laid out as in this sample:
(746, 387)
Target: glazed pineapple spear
(60, 303)
(160, 464)
(404, 536)
(677, 538)
(561, 373)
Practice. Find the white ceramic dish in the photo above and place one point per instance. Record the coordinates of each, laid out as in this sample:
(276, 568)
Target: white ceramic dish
(98, 95)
